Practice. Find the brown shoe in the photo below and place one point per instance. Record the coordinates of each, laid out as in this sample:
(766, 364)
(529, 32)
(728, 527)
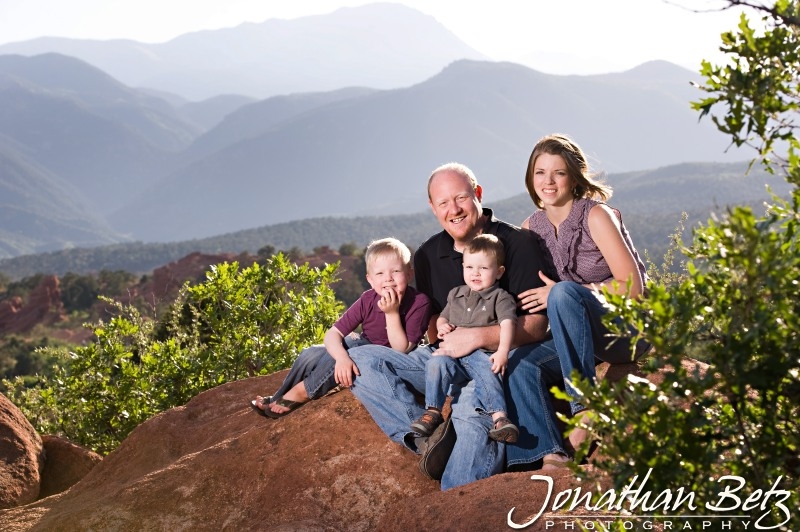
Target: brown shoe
(437, 449)
(504, 430)
(427, 422)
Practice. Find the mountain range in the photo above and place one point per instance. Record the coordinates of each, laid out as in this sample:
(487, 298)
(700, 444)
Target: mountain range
(87, 160)
(381, 45)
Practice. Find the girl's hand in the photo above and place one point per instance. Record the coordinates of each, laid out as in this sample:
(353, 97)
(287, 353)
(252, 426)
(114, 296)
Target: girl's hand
(535, 299)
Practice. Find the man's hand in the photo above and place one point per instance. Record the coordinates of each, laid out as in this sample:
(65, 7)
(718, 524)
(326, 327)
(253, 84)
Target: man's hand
(464, 340)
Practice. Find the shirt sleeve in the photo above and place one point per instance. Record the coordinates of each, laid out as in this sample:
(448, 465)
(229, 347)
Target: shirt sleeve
(505, 307)
(445, 313)
(352, 317)
(523, 262)
(417, 318)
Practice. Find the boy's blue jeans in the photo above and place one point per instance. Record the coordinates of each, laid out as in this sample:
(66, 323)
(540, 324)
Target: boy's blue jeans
(442, 371)
(314, 367)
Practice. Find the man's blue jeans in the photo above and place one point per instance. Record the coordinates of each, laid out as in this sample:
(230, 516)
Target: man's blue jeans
(386, 387)
(388, 383)
(533, 369)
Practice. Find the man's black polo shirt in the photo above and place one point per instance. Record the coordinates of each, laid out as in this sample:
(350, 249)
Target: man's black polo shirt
(438, 267)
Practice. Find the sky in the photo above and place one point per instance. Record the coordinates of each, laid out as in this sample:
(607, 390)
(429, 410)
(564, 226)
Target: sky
(554, 36)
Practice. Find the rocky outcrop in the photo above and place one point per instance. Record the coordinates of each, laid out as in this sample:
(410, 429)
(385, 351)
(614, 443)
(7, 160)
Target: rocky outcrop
(21, 457)
(214, 464)
(43, 306)
(65, 464)
(167, 279)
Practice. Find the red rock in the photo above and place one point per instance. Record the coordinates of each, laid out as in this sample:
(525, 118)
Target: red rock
(65, 464)
(21, 457)
(43, 306)
(214, 464)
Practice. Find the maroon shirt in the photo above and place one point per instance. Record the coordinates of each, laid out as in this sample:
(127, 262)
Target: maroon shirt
(415, 313)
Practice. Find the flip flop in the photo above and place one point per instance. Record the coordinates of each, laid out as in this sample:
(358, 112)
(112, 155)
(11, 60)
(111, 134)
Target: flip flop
(286, 403)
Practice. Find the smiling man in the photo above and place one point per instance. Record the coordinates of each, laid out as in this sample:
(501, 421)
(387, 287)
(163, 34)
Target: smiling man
(460, 450)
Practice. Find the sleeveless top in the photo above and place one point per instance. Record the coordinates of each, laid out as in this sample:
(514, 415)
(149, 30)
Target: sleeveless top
(573, 255)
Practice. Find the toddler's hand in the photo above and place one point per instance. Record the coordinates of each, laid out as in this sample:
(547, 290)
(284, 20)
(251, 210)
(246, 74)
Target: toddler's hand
(443, 329)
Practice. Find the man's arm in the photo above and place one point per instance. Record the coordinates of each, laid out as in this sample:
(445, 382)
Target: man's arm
(464, 340)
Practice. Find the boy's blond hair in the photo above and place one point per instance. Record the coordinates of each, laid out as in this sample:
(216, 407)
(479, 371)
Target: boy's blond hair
(385, 246)
(489, 244)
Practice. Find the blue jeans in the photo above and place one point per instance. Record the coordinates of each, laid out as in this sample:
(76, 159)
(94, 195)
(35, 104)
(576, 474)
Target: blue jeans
(581, 339)
(442, 371)
(532, 370)
(387, 386)
(314, 367)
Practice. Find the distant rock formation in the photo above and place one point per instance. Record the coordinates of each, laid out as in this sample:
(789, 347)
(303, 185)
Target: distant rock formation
(43, 306)
(165, 281)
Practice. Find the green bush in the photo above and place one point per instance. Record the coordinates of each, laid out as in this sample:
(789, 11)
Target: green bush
(736, 308)
(239, 322)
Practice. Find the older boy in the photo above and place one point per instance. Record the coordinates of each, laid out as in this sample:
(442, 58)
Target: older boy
(391, 314)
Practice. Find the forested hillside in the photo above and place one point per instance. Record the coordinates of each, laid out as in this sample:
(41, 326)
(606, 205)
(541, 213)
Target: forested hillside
(651, 202)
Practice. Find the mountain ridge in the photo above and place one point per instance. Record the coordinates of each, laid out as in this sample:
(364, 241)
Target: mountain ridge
(277, 56)
(493, 112)
(136, 165)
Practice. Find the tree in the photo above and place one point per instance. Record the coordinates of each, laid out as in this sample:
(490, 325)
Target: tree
(736, 308)
(78, 292)
(239, 322)
(350, 248)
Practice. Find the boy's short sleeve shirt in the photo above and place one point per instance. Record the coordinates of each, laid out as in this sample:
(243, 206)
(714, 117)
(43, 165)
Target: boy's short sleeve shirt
(471, 308)
(415, 313)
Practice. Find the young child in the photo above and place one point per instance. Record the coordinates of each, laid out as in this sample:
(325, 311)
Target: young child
(479, 303)
(391, 314)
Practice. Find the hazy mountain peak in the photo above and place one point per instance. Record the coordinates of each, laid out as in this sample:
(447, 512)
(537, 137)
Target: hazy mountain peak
(383, 45)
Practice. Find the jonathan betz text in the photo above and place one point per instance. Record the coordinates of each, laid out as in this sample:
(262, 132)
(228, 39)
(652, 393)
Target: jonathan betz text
(637, 507)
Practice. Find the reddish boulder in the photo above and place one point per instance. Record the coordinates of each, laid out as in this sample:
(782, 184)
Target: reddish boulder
(21, 457)
(65, 464)
(214, 464)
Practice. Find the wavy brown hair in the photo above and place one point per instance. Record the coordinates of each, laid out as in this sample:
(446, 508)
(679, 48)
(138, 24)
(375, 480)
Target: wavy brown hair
(586, 183)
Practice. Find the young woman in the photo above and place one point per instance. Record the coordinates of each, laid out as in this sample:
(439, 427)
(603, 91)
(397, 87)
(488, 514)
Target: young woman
(588, 248)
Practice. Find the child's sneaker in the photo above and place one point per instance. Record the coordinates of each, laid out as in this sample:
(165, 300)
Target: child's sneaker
(427, 422)
(504, 430)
